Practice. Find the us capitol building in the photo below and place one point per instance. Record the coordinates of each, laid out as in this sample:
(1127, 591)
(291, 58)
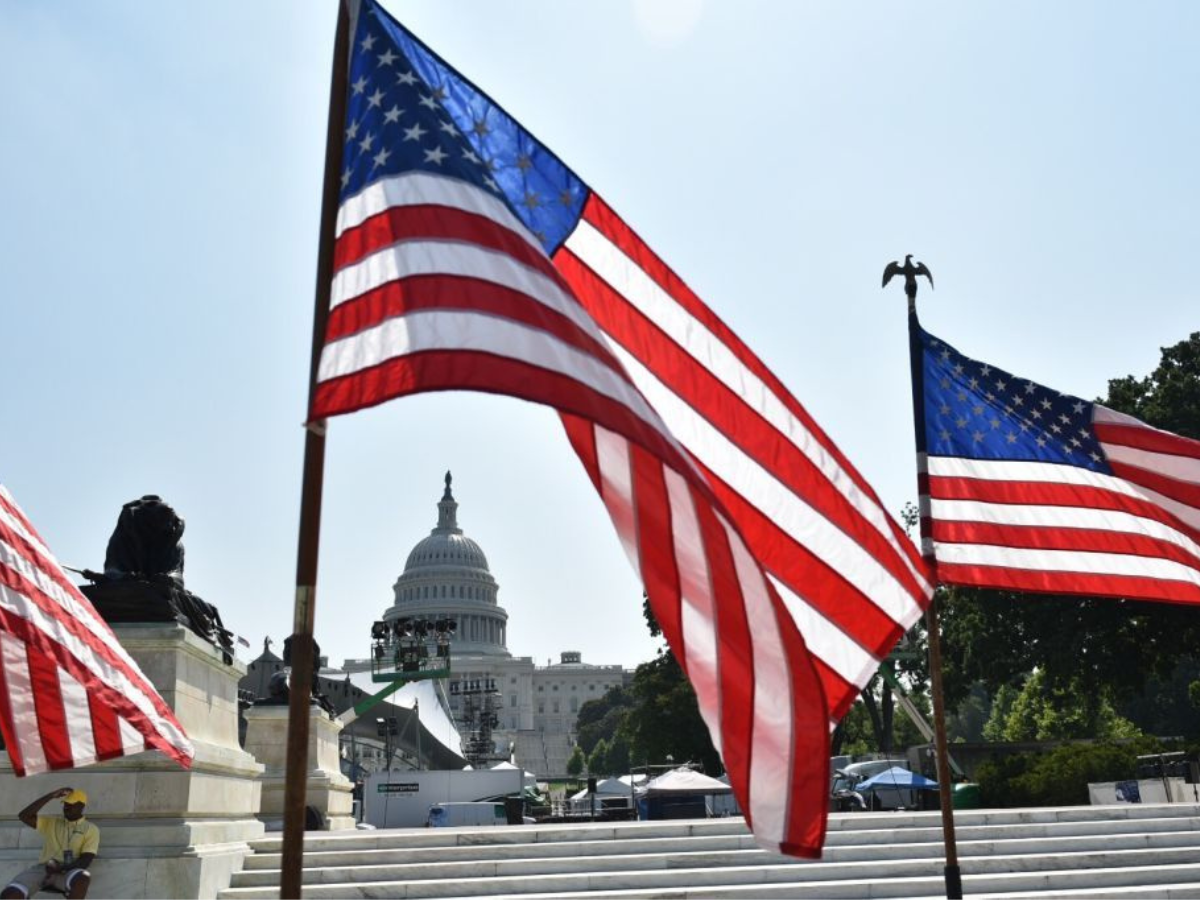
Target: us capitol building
(495, 698)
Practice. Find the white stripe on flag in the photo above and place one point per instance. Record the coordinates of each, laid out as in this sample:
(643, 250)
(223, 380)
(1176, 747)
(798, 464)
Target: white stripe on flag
(79, 719)
(21, 701)
(1069, 517)
(697, 613)
(131, 738)
(616, 489)
(1066, 561)
(836, 649)
(1181, 468)
(1017, 470)
(468, 331)
(461, 260)
(771, 742)
(1051, 473)
(426, 189)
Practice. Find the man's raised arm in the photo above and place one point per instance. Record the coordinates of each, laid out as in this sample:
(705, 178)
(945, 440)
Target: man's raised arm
(30, 813)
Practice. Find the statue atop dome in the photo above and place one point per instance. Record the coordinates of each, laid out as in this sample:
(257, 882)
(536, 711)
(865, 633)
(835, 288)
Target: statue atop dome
(447, 511)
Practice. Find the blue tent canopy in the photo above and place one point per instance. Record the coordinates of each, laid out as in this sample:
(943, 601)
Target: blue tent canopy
(898, 778)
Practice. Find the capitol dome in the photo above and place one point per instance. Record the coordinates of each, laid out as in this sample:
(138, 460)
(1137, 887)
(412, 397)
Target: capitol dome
(447, 575)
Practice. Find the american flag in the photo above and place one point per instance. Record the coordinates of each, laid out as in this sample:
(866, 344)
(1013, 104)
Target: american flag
(69, 693)
(468, 256)
(1026, 488)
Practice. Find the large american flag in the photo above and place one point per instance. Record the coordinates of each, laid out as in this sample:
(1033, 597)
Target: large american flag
(69, 693)
(1026, 488)
(469, 256)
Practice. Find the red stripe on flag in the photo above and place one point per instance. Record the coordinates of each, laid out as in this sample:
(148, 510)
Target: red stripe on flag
(427, 222)
(454, 292)
(835, 686)
(7, 728)
(810, 740)
(582, 435)
(1048, 538)
(735, 654)
(10, 506)
(471, 370)
(656, 546)
(105, 728)
(1146, 438)
(1081, 583)
(1180, 491)
(52, 719)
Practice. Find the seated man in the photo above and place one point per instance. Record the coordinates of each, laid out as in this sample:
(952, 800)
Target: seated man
(69, 844)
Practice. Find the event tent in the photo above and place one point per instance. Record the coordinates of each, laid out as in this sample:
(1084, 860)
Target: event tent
(679, 782)
(897, 777)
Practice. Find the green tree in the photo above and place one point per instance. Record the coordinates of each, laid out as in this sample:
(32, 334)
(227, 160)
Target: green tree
(618, 754)
(597, 761)
(1170, 396)
(1040, 712)
(575, 763)
(665, 719)
(602, 717)
(1107, 648)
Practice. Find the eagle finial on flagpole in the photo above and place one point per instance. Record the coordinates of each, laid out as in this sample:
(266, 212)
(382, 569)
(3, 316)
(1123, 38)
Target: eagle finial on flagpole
(910, 273)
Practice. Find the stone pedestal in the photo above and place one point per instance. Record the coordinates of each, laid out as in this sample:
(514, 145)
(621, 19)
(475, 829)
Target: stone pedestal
(164, 831)
(327, 788)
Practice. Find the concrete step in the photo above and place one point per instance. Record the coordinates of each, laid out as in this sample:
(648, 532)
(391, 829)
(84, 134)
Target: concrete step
(813, 879)
(733, 850)
(854, 829)
(760, 883)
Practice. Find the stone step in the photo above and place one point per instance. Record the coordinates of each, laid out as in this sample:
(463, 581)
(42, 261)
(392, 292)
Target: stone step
(450, 837)
(760, 882)
(845, 828)
(1183, 891)
(263, 867)
(813, 879)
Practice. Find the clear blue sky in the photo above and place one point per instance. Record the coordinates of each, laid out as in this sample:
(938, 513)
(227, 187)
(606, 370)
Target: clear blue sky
(157, 243)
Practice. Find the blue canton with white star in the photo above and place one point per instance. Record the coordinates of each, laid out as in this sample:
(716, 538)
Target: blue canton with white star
(407, 110)
(978, 411)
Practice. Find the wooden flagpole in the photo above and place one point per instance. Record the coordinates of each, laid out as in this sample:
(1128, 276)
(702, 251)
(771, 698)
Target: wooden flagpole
(953, 874)
(313, 483)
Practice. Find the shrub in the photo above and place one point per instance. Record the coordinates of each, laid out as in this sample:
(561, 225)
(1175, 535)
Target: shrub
(1060, 777)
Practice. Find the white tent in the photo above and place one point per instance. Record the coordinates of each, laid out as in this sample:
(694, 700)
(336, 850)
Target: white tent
(528, 779)
(680, 782)
(608, 786)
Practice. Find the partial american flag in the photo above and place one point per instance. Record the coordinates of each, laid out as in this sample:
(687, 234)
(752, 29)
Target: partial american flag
(69, 693)
(1026, 488)
(469, 256)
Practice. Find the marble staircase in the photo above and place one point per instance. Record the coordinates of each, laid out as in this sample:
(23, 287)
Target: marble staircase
(1125, 851)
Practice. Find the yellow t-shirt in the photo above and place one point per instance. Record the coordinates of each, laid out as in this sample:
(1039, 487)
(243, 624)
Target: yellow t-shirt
(80, 837)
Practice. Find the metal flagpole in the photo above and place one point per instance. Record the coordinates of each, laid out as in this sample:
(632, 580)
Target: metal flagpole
(310, 497)
(952, 872)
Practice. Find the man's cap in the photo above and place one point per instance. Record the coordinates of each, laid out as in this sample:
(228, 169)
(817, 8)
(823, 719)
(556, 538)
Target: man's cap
(76, 796)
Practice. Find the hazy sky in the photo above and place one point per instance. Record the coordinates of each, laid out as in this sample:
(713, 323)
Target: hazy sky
(157, 244)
